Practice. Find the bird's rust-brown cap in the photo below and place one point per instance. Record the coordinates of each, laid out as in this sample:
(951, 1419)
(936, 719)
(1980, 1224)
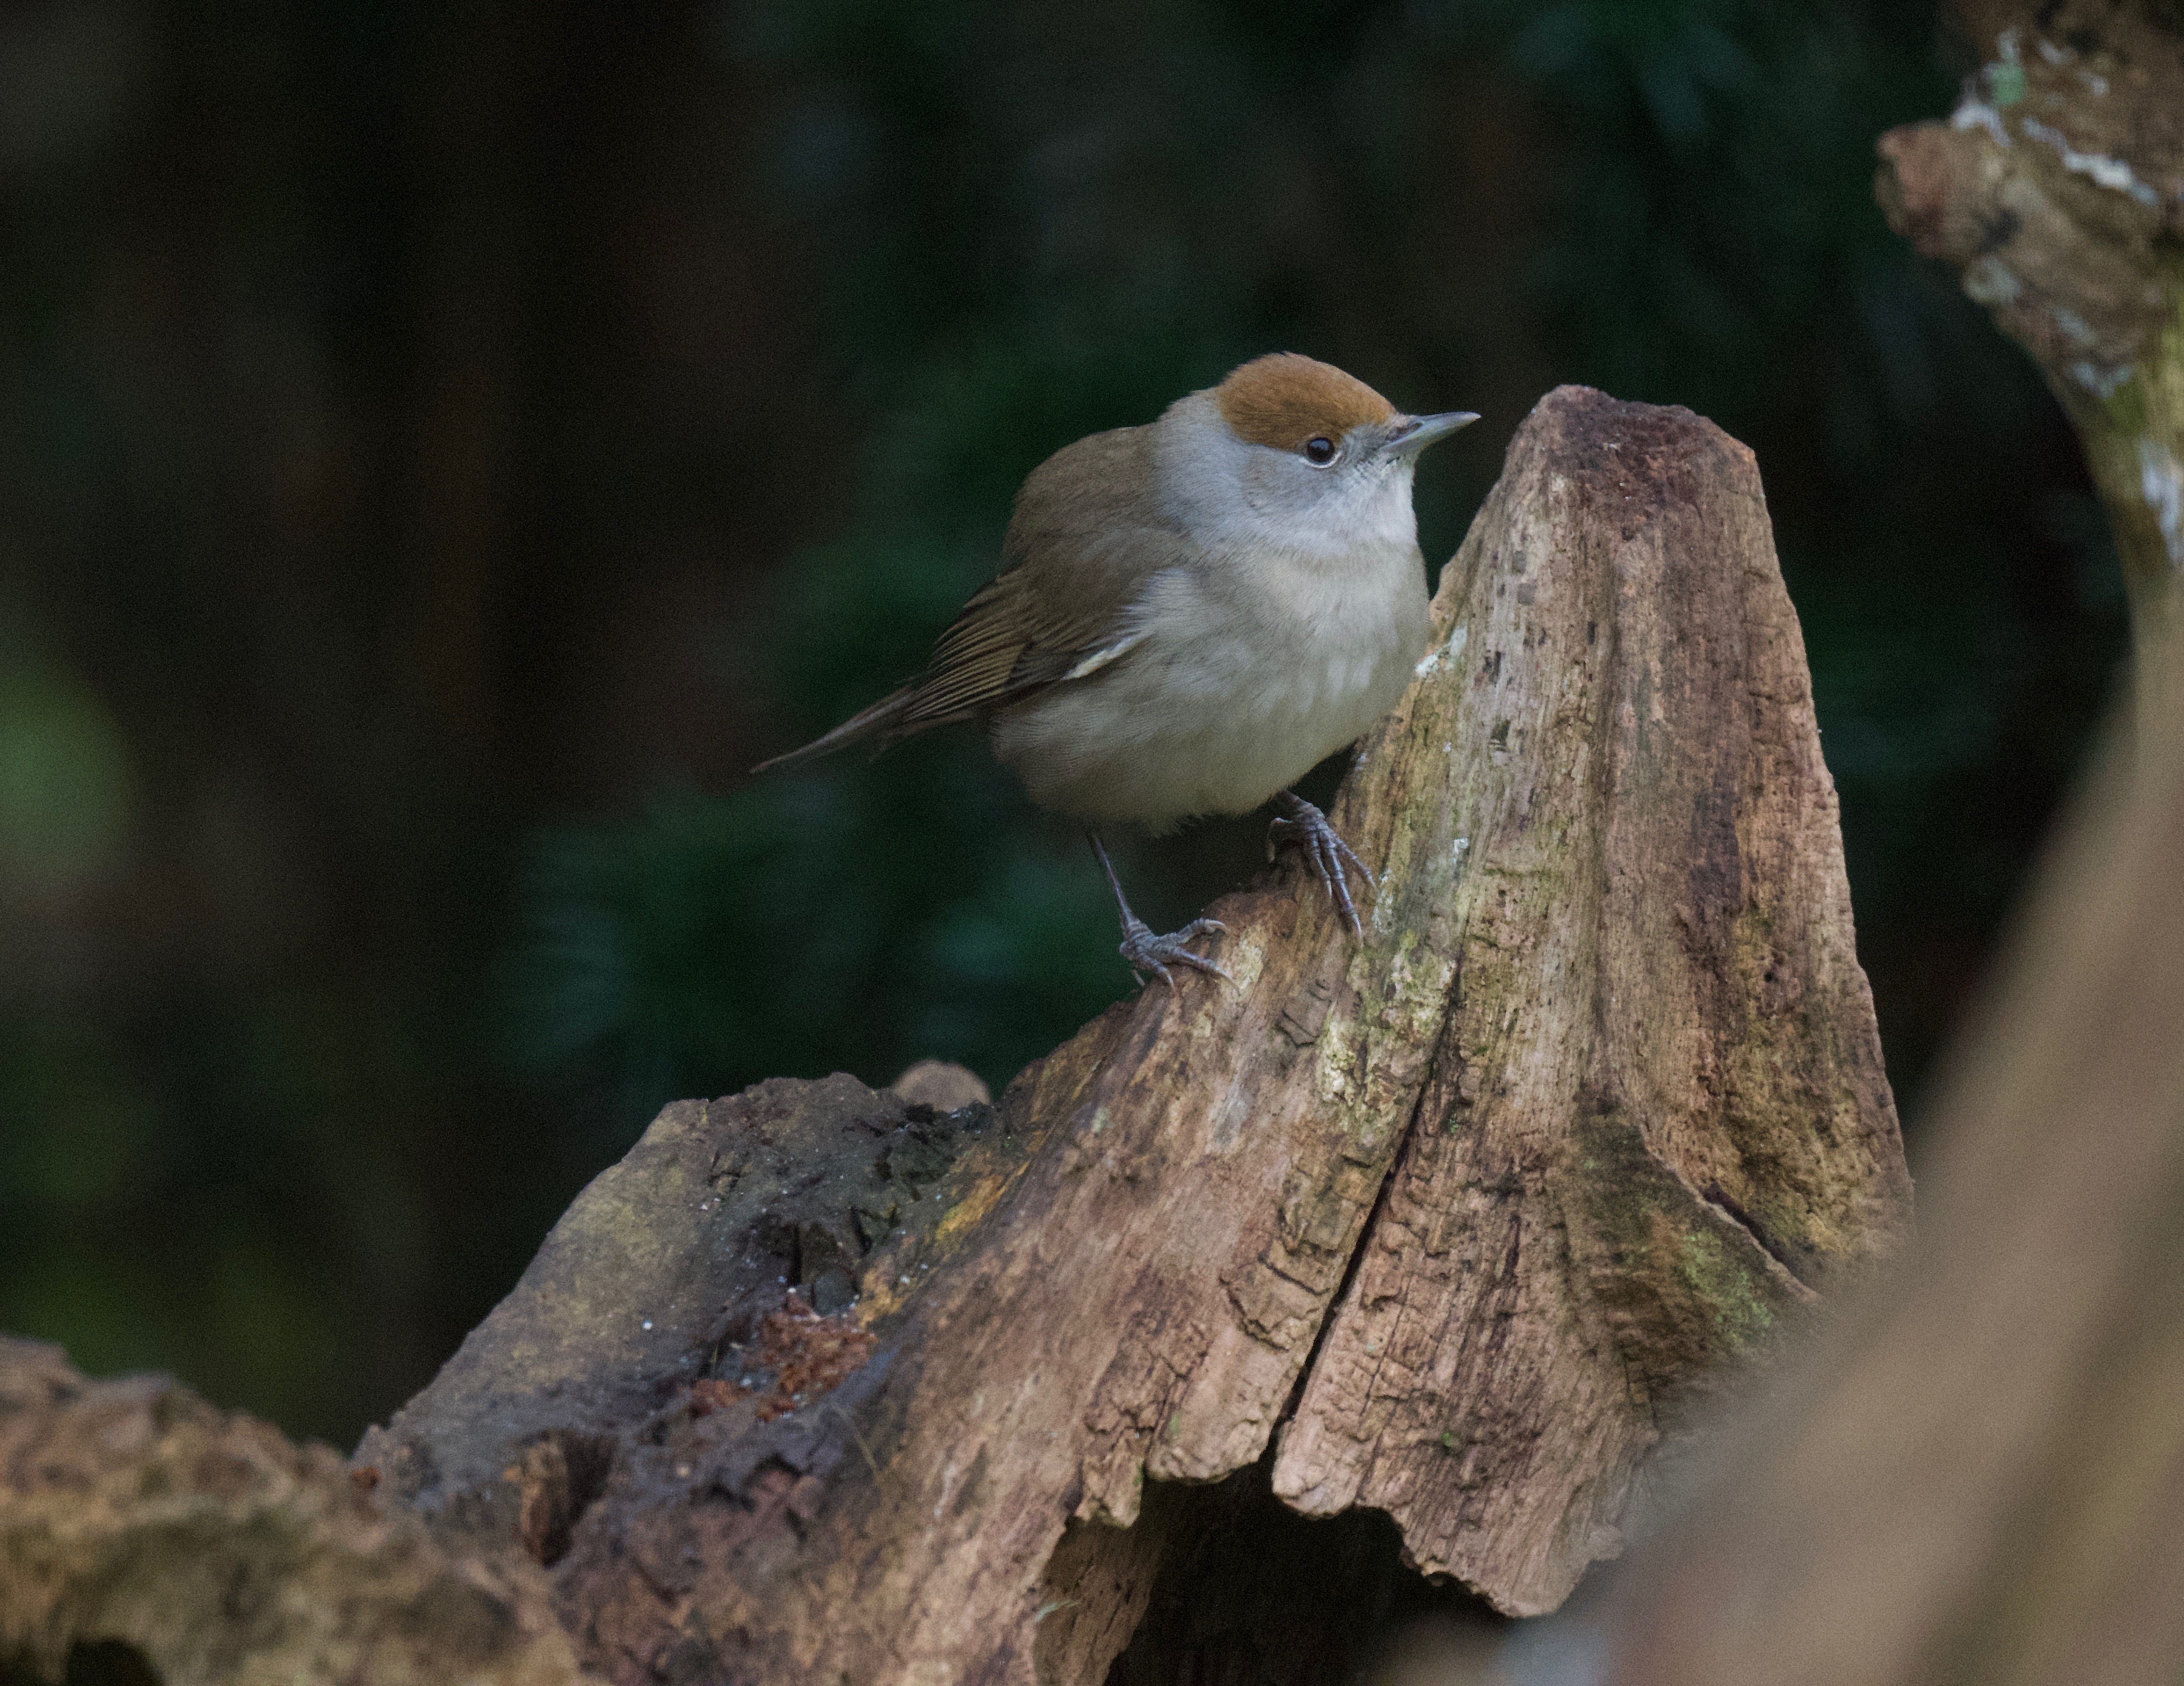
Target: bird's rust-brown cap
(1282, 399)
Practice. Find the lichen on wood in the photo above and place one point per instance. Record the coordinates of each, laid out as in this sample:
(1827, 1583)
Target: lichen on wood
(2056, 188)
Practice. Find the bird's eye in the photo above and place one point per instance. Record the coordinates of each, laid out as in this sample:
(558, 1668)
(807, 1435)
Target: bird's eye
(1319, 450)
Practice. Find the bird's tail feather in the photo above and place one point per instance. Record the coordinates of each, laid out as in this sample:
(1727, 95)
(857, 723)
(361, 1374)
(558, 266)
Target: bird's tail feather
(882, 720)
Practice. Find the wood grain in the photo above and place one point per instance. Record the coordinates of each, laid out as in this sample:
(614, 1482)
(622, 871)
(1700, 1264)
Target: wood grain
(1657, 1117)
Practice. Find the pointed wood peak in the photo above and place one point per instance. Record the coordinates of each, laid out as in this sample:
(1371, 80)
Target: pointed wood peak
(1282, 399)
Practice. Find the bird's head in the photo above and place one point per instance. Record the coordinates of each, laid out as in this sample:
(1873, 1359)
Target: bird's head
(1291, 441)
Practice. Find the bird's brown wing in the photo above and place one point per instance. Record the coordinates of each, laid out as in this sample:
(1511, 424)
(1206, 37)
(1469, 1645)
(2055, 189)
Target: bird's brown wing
(1007, 644)
(1079, 554)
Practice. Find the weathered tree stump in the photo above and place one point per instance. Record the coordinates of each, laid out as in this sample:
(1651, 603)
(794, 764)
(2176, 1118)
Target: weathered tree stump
(1447, 1224)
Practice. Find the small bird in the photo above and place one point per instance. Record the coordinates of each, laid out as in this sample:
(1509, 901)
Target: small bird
(1190, 616)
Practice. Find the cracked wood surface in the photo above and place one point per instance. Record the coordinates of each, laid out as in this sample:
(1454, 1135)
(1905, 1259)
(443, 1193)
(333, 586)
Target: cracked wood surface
(1594, 1104)
(1657, 1117)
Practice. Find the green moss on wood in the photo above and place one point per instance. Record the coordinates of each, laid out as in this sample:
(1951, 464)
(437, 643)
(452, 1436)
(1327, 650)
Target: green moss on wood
(1735, 1298)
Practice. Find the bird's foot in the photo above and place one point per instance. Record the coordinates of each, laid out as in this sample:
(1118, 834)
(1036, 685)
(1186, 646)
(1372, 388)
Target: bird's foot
(1303, 827)
(1148, 952)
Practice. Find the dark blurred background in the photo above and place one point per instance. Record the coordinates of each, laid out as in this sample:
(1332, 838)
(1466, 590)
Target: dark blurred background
(442, 447)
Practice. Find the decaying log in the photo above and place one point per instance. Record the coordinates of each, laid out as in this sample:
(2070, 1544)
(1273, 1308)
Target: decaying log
(2056, 189)
(132, 1513)
(1977, 1477)
(1449, 1223)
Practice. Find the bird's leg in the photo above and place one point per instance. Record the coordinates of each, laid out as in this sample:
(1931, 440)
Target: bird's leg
(1145, 952)
(1303, 827)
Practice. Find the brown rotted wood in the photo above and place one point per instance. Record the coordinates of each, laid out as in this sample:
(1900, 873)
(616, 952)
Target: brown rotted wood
(1595, 1102)
(1657, 1117)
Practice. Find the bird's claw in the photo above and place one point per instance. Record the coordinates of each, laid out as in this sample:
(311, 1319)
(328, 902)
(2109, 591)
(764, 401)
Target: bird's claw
(1148, 952)
(1302, 827)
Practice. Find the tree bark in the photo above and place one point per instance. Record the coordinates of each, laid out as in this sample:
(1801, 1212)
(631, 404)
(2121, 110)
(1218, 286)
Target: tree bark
(2056, 189)
(1448, 1223)
(1441, 1231)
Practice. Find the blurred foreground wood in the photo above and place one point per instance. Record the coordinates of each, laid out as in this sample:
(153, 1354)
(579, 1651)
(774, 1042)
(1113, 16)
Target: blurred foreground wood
(131, 1511)
(1435, 1235)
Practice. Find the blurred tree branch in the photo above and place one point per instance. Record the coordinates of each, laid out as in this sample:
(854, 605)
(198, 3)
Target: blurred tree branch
(2057, 188)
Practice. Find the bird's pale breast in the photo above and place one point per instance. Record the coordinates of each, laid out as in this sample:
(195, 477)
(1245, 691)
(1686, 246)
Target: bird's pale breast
(1251, 676)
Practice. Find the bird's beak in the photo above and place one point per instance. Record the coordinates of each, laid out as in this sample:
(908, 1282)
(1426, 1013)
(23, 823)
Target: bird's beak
(1414, 433)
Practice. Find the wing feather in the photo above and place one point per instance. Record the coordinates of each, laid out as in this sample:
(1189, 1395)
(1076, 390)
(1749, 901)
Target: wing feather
(1077, 560)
